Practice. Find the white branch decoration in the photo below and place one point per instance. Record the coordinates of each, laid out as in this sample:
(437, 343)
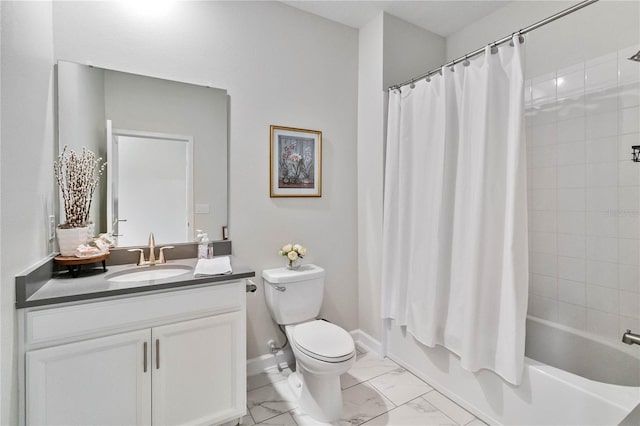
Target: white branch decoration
(77, 177)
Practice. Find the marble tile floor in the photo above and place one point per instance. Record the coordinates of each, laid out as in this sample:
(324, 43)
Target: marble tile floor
(375, 392)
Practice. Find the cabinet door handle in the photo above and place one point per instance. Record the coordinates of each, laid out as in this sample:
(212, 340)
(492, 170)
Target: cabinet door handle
(157, 354)
(145, 357)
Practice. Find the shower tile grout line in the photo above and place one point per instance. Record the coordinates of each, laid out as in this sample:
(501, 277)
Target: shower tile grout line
(556, 278)
(618, 133)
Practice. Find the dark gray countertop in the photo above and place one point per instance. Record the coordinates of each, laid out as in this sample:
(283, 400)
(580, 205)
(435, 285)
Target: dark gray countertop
(633, 418)
(65, 289)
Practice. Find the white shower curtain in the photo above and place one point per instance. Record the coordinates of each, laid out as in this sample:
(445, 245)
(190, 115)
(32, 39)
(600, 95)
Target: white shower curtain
(455, 268)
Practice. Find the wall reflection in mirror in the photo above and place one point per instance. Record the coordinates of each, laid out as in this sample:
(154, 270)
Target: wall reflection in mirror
(166, 145)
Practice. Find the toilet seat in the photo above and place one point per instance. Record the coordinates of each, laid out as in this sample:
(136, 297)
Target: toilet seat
(323, 341)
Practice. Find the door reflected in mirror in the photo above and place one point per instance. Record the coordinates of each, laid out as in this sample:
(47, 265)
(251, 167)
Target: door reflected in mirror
(166, 146)
(151, 190)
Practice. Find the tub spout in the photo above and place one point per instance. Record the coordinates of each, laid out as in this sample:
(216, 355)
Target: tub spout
(631, 338)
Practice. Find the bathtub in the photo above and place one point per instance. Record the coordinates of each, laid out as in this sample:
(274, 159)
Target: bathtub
(570, 378)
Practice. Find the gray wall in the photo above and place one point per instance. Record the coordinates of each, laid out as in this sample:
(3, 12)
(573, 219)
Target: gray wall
(280, 66)
(371, 110)
(409, 51)
(27, 153)
(391, 51)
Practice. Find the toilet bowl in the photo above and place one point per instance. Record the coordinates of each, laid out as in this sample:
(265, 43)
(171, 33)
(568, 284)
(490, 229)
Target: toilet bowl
(323, 351)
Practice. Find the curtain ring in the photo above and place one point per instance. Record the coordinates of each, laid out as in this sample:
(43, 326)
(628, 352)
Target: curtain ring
(412, 85)
(494, 49)
(466, 62)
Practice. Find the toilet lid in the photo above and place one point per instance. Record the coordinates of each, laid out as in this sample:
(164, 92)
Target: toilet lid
(324, 341)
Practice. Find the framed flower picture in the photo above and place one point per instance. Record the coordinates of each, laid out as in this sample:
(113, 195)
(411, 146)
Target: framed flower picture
(296, 162)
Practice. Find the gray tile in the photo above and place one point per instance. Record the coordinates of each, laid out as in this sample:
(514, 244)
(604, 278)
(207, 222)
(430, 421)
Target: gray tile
(272, 375)
(270, 401)
(246, 421)
(476, 422)
(361, 349)
(303, 419)
(400, 386)
(363, 402)
(448, 407)
(281, 420)
(367, 367)
(417, 412)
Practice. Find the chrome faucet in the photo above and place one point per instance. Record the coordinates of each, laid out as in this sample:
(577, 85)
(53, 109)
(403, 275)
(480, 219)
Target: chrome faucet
(152, 256)
(631, 338)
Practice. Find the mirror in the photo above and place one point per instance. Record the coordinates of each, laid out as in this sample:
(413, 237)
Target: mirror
(166, 144)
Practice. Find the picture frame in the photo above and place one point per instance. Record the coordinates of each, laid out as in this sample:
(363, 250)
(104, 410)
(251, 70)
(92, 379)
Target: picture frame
(296, 162)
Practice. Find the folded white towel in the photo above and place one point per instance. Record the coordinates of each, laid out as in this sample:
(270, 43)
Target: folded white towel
(215, 266)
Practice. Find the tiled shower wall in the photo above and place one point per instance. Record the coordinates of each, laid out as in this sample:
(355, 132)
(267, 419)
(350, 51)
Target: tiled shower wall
(584, 194)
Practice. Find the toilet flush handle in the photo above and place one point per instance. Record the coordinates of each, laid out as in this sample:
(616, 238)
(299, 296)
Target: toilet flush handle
(280, 288)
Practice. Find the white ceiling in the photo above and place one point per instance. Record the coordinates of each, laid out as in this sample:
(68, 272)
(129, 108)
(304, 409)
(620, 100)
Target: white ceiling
(440, 17)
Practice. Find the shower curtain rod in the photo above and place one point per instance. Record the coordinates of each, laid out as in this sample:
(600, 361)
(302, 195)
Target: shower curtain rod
(504, 39)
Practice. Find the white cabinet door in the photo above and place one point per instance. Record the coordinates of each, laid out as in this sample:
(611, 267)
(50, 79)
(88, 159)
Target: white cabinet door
(93, 382)
(199, 370)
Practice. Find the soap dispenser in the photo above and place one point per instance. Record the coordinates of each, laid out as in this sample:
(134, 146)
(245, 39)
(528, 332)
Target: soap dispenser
(203, 247)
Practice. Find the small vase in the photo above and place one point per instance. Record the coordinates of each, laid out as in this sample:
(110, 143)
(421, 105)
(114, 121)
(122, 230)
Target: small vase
(294, 265)
(70, 238)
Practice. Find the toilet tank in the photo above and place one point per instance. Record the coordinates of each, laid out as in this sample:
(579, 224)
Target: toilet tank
(294, 296)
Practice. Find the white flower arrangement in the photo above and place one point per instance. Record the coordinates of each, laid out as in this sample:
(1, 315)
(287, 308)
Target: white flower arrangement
(77, 177)
(293, 252)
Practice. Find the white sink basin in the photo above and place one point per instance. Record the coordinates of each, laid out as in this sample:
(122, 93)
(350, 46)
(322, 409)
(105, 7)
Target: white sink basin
(148, 273)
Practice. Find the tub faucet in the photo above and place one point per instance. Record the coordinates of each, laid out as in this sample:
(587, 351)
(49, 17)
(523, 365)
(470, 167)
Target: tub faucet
(631, 338)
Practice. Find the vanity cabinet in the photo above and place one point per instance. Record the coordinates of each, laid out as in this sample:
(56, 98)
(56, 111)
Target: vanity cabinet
(170, 358)
(90, 382)
(195, 370)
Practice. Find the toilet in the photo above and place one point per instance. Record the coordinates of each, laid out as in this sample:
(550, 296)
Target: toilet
(323, 351)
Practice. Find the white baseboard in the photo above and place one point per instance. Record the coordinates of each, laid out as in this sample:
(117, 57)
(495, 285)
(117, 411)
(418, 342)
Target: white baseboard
(262, 363)
(369, 343)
